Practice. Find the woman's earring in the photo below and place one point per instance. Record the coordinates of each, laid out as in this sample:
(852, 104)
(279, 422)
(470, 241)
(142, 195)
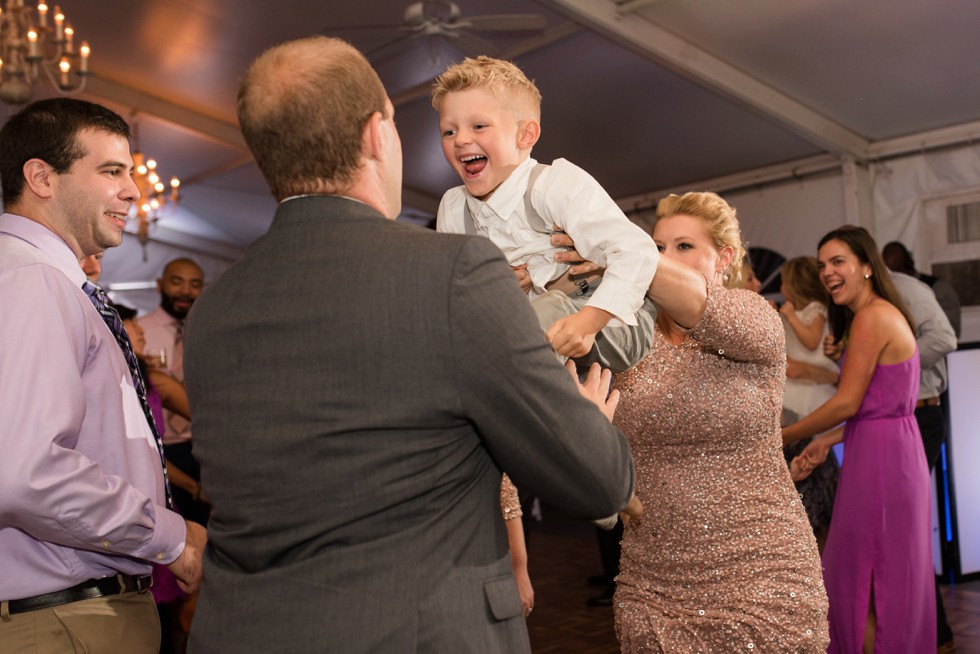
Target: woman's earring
(867, 276)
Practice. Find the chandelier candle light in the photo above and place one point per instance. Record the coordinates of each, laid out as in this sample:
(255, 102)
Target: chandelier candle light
(34, 45)
(153, 193)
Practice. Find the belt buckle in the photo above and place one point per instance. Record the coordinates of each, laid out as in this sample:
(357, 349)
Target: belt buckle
(144, 583)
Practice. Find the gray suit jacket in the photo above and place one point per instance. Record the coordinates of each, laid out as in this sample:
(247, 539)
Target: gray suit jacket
(357, 386)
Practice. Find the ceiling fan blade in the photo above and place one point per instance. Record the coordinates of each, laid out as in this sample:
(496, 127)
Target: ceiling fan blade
(505, 22)
(471, 44)
(390, 48)
(344, 28)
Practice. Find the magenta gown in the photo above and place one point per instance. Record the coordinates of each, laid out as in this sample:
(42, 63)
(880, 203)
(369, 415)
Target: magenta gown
(881, 530)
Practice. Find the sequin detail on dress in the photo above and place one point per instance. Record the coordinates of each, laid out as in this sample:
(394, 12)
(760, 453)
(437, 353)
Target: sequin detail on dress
(724, 559)
(510, 504)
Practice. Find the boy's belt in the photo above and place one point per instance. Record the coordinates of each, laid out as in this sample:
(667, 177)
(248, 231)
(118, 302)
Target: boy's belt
(570, 284)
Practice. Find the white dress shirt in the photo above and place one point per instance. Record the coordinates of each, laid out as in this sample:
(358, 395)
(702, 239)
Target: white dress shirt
(566, 196)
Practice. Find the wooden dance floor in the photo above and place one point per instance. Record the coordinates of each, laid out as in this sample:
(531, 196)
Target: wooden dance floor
(562, 553)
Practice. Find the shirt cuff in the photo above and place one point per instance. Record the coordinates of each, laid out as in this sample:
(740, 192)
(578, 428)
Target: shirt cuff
(168, 538)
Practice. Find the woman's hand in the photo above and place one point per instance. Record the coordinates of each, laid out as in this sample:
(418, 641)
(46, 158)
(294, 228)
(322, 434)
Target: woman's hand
(632, 511)
(799, 469)
(811, 458)
(832, 350)
(525, 589)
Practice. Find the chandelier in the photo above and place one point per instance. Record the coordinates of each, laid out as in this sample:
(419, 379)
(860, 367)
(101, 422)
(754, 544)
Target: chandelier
(32, 47)
(154, 194)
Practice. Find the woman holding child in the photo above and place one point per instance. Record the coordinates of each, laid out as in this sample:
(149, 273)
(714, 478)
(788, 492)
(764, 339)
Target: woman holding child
(723, 560)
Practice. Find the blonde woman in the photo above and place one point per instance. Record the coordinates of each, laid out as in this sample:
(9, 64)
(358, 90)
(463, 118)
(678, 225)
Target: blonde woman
(724, 559)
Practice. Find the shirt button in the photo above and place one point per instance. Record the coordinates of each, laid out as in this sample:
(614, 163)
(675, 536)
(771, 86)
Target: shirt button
(105, 543)
(159, 556)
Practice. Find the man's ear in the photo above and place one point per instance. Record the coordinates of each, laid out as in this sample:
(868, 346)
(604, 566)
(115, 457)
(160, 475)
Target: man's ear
(38, 177)
(528, 133)
(372, 137)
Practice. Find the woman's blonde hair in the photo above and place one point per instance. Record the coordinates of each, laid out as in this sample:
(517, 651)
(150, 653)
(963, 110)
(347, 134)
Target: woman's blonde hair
(720, 219)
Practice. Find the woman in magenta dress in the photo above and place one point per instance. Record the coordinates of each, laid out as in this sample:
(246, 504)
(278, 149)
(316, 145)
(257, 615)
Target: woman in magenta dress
(878, 556)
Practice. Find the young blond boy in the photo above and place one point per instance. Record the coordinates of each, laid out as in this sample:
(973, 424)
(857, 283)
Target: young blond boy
(489, 117)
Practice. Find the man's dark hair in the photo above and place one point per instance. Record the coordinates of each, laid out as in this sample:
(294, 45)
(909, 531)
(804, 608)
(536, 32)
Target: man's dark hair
(48, 130)
(125, 312)
(898, 258)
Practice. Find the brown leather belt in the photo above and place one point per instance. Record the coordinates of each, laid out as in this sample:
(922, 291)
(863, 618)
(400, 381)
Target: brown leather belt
(570, 284)
(86, 590)
(928, 401)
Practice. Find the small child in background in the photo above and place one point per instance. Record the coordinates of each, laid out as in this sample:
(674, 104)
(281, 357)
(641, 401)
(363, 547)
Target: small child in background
(749, 280)
(804, 315)
(811, 380)
(489, 117)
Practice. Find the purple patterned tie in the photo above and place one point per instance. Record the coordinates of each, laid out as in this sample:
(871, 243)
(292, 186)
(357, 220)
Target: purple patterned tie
(115, 325)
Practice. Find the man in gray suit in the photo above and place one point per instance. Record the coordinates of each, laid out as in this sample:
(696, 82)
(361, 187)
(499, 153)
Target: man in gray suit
(358, 385)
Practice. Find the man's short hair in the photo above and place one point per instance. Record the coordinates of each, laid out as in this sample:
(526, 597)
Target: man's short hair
(302, 108)
(181, 260)
(48, 130)
(497, 77)
(897, 257)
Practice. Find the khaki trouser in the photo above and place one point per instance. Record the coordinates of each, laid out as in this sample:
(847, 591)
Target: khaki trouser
(617, 346)
(115, 624)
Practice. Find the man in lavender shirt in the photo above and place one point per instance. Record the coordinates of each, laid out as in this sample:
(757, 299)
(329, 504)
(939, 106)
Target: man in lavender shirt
(82, 503)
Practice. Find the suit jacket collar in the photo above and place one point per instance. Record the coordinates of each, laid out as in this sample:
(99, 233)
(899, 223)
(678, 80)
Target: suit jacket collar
(317, 205)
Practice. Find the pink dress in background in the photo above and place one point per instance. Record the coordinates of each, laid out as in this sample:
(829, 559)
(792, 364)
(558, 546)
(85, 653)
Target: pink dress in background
(724, 559)
(164, 588)
(882, 525)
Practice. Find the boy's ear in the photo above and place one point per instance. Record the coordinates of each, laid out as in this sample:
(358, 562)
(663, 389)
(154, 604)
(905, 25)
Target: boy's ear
(528, 133)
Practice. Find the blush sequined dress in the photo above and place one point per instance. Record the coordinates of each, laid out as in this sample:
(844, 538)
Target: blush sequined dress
(724, 559)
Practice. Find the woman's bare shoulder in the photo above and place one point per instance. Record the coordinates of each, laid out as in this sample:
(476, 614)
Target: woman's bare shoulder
(881, 322)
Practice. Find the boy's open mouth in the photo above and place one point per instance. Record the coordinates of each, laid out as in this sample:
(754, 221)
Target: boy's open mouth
(473, 163)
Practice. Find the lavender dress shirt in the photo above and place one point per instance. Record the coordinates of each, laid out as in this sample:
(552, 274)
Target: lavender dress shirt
(81, 486)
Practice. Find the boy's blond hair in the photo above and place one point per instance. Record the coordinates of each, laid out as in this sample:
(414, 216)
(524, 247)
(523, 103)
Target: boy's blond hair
(497, 77)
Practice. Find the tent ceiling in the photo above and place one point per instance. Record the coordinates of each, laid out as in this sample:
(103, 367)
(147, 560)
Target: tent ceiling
(645, 94)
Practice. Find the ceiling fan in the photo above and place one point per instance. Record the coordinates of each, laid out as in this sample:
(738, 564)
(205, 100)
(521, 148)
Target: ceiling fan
(442, 20)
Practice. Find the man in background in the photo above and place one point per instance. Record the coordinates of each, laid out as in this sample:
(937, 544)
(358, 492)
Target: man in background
(899, 259)
(92, 266)
(180, 285)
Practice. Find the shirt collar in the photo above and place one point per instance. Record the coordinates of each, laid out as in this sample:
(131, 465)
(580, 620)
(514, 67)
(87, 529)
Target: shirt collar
(509, 194)
(47, 242)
